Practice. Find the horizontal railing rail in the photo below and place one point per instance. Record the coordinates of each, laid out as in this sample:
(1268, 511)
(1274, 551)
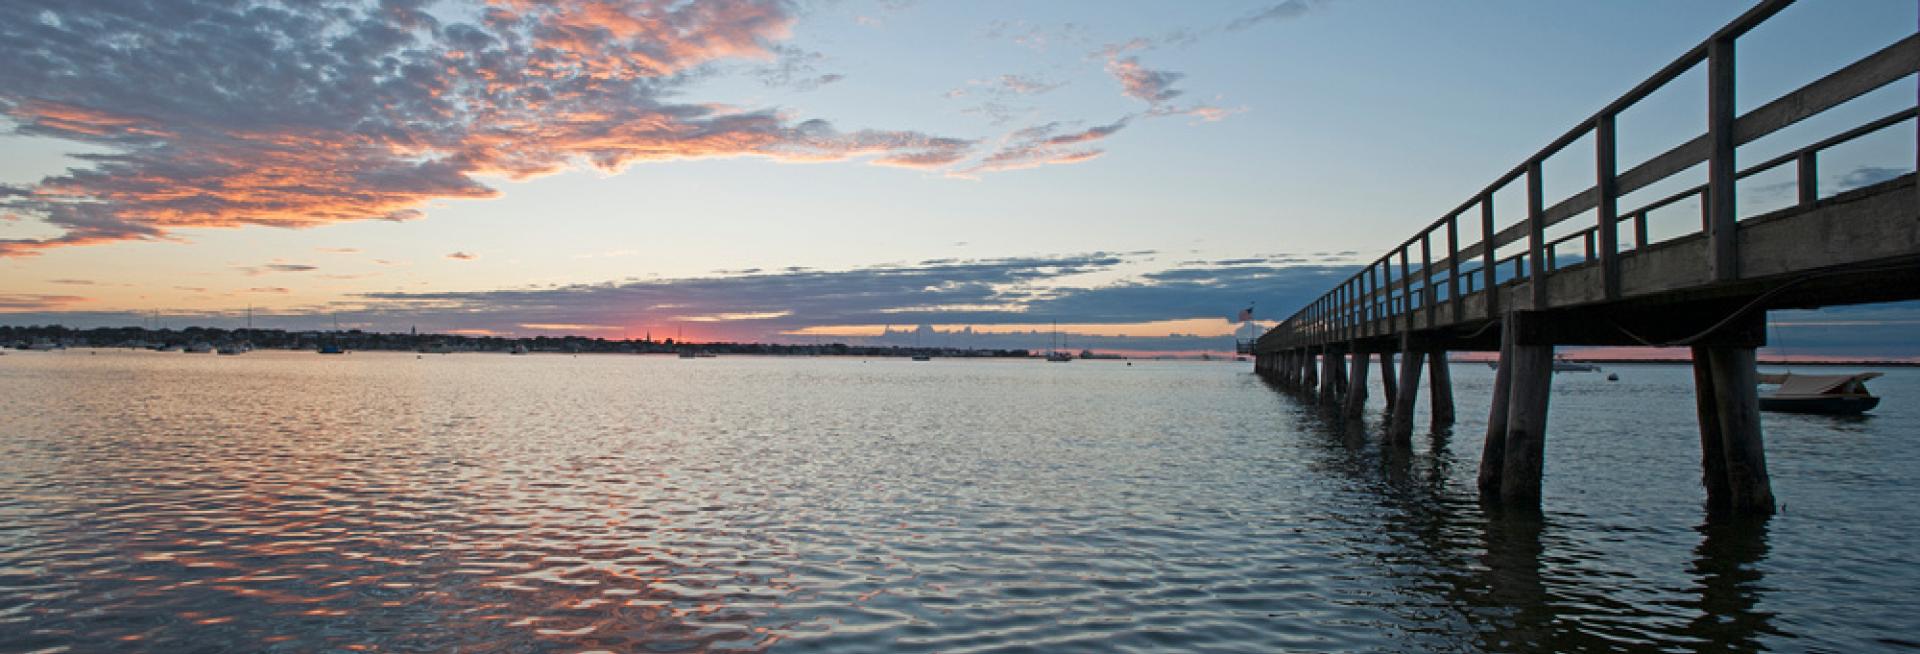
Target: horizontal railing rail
(1435, 269)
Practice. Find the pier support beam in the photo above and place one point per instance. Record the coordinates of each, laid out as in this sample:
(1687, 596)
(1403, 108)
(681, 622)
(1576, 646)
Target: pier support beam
(1493, 452)
(1440, 377)
(1330, 361)
(1389, 387)
(1530, 385)
(1713, 462)
(1737, 414)
(1356, 397)
(1400, 426)
(1340, 372)
(1312, 380)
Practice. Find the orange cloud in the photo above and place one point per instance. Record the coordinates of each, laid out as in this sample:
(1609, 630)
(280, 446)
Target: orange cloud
(18, 302)
(393, 115)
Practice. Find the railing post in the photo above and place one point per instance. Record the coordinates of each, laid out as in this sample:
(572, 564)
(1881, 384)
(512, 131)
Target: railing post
(1377, 301)
(1340, 312)
(1453, 266)
(1809, 179)
(1723, 246)
(1607, 207)
(1426, 275)
(1368, 309)
(1406, 287)
(1349, 308)
(1536, 238)
(1640, 230)
(1489, 273)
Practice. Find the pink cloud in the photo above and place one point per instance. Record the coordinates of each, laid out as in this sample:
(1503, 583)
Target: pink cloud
(323, 113)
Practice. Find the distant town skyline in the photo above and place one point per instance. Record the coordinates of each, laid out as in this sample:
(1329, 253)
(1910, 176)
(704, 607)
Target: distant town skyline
(785, 171)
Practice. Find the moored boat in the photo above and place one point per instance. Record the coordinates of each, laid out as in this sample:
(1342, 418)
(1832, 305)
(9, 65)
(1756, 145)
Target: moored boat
(1819, 394)
(1562, 364)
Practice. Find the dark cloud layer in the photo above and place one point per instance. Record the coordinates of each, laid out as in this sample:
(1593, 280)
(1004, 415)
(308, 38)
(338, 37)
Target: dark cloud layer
(768, 305)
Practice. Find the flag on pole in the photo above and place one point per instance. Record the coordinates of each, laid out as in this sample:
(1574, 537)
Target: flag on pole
(1246, 314)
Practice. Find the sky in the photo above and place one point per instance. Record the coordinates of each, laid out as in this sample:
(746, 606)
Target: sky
(971, 173)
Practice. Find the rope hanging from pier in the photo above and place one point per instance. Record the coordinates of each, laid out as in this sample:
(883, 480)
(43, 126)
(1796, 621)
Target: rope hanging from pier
(1755, 303)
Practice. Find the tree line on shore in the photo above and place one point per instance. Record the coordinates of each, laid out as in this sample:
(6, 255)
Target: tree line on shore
(20, 337)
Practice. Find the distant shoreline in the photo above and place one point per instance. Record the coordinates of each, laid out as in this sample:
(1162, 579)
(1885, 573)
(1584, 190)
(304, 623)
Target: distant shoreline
(1885, 363)
(1775, 362)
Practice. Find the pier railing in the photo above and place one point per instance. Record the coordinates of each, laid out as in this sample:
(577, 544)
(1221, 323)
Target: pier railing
(1435, 278)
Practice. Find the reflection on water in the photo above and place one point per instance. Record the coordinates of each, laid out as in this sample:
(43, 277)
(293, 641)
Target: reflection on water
(166, 502)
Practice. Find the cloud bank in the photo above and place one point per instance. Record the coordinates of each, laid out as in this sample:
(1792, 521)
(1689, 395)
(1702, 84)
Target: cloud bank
(222, 113)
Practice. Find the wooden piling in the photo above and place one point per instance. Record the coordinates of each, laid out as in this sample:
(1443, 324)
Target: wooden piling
(1329, 375)
(1400, 427)
(1440, 377)
(1530, 385)
(1388, 385)
(1356, 397)
(1713, 461)
(1312, 380)
(1493, 452)
(1340, 373)
(1735, 387)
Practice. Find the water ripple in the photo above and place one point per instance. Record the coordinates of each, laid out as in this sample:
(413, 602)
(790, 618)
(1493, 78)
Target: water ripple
(284, 502)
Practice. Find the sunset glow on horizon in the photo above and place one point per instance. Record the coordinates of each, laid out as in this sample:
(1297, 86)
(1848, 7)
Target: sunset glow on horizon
(766, 170)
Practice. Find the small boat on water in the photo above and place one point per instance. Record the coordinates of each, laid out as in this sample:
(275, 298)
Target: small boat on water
(199, 347)
(1561, 364)
(1837, 395)
(332, 348)
(922, 357)
(518, 349)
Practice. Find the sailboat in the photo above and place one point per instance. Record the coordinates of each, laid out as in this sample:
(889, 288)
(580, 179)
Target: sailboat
(1054, 353)
(918, 355)
(242, 346)
(333, 347)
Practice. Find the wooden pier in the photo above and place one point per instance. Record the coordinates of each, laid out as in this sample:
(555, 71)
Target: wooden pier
(1581, 270)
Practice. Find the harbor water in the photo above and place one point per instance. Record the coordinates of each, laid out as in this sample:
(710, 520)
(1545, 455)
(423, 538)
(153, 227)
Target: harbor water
(285, 501)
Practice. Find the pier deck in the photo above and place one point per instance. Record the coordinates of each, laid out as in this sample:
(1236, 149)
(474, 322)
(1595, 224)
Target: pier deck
(1583, 270)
